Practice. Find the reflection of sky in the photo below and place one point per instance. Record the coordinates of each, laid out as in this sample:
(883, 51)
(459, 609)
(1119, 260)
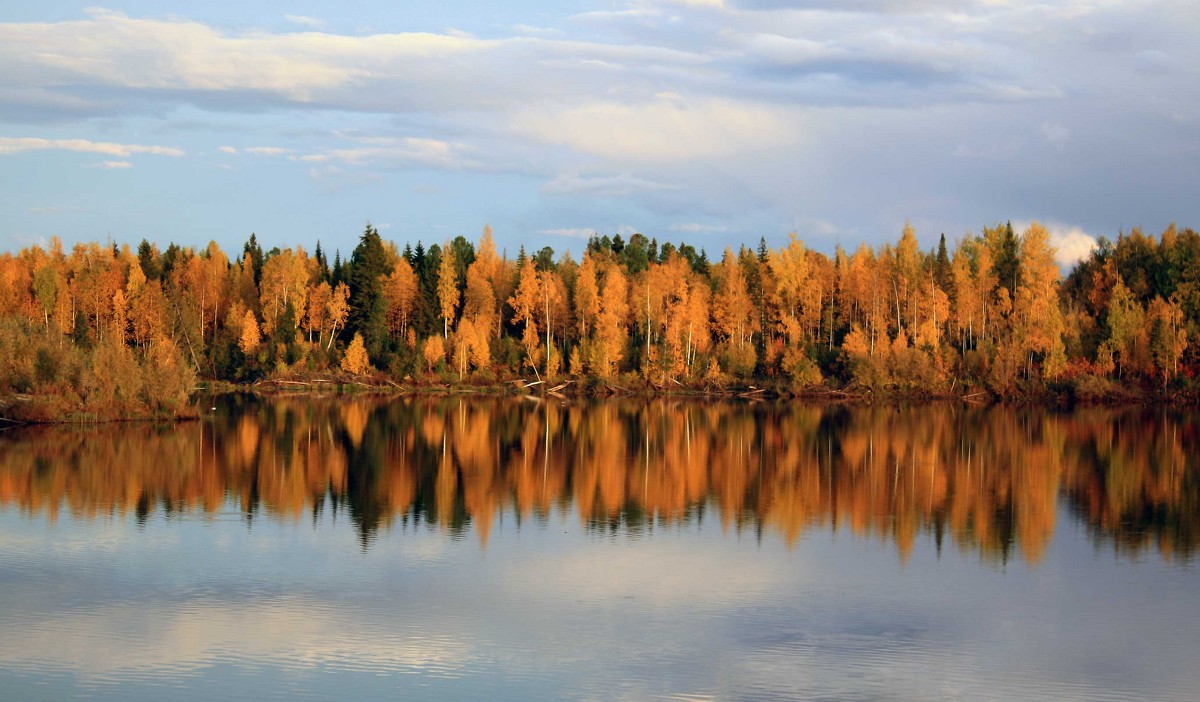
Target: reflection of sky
(207, 609)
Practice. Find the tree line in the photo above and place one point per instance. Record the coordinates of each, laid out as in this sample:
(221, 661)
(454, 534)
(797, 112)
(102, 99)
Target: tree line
(993, 314)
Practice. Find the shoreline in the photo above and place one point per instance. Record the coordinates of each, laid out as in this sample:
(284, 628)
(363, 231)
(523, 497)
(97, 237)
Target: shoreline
(27, 409)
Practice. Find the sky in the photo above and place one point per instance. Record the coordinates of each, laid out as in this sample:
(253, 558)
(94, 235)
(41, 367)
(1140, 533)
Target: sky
(715, 122)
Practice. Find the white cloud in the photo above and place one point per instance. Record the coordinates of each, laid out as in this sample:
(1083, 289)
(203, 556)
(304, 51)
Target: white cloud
(530, 30)
(602, 186)
(112, 49)
(228, 150)
(697, 228)
(14, 145)
(1072, 244)
(306, 21)
(110, 165)
(662, 130)
(396, 152)
(765, 107)
(267, 151)
(573, 232)
(715, 4)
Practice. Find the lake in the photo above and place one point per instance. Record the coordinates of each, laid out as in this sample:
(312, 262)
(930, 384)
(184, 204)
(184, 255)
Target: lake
(472, 548)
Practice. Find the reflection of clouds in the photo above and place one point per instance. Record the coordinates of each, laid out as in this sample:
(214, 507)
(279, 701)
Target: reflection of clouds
(654, 571)
(137, 640)
(686, 613)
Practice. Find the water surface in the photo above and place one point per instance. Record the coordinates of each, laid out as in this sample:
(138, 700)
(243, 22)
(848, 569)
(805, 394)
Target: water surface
(518, 549)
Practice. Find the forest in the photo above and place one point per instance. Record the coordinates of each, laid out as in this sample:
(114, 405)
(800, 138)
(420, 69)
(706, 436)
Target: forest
(106, 330)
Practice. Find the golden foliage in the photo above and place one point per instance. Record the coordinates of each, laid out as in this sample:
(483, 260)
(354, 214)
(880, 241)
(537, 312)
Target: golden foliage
(251, 337)
(434, 352)
(356, 361)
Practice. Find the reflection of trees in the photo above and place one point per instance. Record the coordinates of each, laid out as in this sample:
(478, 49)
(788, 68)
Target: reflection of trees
(990, 479)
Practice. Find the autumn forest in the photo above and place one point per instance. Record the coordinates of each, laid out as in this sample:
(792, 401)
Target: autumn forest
(114, 331)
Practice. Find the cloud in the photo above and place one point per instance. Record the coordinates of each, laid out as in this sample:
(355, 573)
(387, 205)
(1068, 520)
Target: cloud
(777, 111)
(572, 232)
(110, 165)
(14, 145)
(397, 152)
(305, 21)
(528, 29)
(1071, 244)
(661, 130)
(697, 228)
(601, 186)
(112, 50)
(267, 151)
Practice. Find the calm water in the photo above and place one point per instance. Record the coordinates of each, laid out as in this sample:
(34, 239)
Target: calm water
(482, 549)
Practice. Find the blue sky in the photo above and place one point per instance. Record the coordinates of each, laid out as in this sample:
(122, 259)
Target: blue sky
(714, 121)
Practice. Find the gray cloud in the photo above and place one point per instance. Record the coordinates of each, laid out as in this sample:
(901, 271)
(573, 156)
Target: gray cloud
(858, 114)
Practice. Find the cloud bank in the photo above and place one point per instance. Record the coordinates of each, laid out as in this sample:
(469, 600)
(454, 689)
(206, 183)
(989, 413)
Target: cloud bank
(750, 116)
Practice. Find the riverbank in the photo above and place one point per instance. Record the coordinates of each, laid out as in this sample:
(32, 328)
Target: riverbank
(60, 409)
(1075, 392)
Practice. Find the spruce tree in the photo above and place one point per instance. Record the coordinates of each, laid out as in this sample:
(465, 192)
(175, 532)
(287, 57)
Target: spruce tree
(1008, 261)
(368, 309)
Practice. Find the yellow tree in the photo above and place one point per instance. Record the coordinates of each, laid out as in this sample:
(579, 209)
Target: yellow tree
(284, 281)
(610, 324)
(472, 342)
(356, 361)
(526, 303)
(336, 311)
(471, 348)
(120, 317)
(967, 308)
(794, 303)
(817, 294)
(554, 312)
(205, 278)
(587, 296)
(699, 322)
(319, 296)
(735, 321)
(251, 337)
(732, 307)
(674, 325)
(1127, 337)
(861, 293)
(800, 282)
(400, 291)
(1168, 336)
(148, 312)
(434, 352)
(907, 279)
(1039, 319)
(447, 288)
(490, 268)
